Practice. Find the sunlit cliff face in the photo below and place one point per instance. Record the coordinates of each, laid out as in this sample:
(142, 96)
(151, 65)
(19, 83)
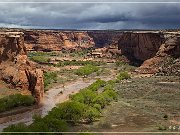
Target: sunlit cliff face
(16, 69)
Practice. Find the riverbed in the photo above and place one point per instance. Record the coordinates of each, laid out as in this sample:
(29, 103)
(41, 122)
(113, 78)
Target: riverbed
(52, 97)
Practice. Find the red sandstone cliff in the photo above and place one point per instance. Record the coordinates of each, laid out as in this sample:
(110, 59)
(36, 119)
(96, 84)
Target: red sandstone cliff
(148, 47)
(159, 52)
(16, 69)
(44, 40)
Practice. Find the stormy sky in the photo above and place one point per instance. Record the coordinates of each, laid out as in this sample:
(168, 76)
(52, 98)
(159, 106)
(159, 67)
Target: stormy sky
(95, 14)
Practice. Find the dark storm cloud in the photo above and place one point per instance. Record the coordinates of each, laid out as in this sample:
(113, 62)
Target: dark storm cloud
(90, 16)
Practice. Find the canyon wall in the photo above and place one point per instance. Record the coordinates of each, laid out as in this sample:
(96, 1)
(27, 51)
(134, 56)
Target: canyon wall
(145, 48)
(140, 46)
(51, 40)
(15, 68)
(159, 52)
(46, 40)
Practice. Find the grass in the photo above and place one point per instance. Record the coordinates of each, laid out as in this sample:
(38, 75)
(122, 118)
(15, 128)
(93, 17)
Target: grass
(86, 70)
(31, 54)
(40, 59)
(12, 101)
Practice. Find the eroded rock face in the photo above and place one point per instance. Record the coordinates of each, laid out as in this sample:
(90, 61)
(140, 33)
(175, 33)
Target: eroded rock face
(166, 58)
(16, 69)
(140, 46)
(159, 52)
(56, 40)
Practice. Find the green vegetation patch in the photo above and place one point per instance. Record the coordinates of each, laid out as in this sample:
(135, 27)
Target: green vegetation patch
(79, 63)
(49, 77)
(86, 70)
(123, 75)
(83, 107)
(40, 59)
(12, 101)
(94, 98)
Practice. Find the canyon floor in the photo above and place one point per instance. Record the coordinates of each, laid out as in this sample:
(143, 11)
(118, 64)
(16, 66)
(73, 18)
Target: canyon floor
(148, 104)
(145, 103)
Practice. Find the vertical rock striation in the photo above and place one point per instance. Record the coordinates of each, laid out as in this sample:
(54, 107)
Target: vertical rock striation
(140, 46)
(157, 51)
(44, 40)
(16, 69)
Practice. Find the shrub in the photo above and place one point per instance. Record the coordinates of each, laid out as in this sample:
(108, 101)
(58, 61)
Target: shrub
(105, 98)
(49, 77)
(109, 85)
(73, 112)
(85, 96)
(86, 70)
(91, 114)
(48, 124)
(111, 93)
(101, 100)
(69, 111)
(97, 106)
(21, 127)
(96, 85)
(123, 75)
(79, 97)
(16, 100)
(89, 95)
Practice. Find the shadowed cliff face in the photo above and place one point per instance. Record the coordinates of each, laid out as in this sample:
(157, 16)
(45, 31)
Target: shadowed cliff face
(155, 51)
(140, 46)
(105, 38)
(16, 69)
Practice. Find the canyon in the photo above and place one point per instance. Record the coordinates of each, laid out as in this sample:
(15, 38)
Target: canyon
(147, 48)
(154, 51)
(152, 58)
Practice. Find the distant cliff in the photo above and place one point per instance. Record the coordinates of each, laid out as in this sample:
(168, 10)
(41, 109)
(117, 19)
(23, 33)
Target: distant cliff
(16, 69)
(105, 38)
(44, 40)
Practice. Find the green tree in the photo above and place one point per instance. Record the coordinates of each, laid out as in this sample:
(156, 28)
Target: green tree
(70, 111)
(21, 127)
